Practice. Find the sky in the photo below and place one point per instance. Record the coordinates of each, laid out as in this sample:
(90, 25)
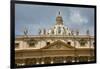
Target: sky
(35, 17)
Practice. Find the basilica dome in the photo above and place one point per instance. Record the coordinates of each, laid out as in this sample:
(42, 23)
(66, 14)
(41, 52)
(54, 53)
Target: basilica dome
(59, 28)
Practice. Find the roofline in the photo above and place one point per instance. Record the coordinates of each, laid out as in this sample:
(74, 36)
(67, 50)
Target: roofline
(52, 36)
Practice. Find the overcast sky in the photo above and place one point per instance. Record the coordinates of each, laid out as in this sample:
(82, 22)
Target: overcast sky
(36, 17)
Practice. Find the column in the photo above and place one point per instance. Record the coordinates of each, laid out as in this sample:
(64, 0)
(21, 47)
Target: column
(42, 60)
(64, 60)
(88, 59)
(77, 60)
(73, 59)
(37, 60)
(52, 60)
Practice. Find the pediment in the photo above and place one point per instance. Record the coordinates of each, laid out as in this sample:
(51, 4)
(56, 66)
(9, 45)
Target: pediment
(58, 45)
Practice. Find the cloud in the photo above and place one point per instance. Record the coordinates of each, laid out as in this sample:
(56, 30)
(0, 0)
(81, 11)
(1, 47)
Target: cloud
(76, 17)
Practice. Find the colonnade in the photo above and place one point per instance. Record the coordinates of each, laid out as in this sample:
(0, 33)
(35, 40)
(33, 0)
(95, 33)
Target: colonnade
(53, 60)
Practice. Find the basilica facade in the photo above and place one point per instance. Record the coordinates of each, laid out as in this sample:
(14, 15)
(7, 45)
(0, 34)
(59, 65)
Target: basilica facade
(59, 44)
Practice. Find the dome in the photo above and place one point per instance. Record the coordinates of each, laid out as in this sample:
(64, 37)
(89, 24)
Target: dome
(59, 19)
(59, 28)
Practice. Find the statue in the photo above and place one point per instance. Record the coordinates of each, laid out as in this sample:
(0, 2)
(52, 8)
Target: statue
(87, 32)
(77, 32)
(25, 31)
(44, 31)
(72, 32)
(39, 32)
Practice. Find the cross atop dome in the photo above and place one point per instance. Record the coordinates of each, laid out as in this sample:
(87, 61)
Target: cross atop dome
(59, 12)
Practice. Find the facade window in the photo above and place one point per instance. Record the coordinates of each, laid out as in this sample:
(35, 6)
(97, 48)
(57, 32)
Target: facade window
(48, 43)
(69, 43)
(16, 45)
(82, 42)
(31, 44)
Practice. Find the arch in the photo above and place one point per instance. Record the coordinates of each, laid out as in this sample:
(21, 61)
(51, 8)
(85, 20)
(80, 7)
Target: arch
(83, 59)
(30, 61)
(69, 59)
(47, 60)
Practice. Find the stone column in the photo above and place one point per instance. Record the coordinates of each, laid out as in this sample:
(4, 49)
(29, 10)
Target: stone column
(77, 59)
(42, 60)
(89, 59)
(73, 59)
(52, 60)
(64, 60)
(37, 61)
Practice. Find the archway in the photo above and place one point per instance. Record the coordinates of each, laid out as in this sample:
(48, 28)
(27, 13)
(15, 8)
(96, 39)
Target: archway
(47, 60)
(31, 61)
